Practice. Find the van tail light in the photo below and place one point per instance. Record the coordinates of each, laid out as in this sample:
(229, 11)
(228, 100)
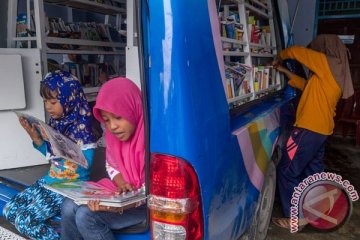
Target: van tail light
(174, 200)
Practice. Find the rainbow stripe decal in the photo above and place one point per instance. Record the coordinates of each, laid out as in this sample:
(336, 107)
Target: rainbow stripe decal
(257, 141)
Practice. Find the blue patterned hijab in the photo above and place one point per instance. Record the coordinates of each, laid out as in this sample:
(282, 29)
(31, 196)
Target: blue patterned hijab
(76, 120)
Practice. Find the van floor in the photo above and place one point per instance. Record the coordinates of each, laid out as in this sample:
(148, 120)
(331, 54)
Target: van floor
(341, 157)
(25, 175)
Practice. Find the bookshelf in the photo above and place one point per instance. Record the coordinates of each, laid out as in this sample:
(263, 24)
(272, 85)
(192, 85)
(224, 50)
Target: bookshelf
(249, 46)
(93, 29)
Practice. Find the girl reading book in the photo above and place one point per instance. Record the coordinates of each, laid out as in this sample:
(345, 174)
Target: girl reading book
(119, 108)
(70, 115)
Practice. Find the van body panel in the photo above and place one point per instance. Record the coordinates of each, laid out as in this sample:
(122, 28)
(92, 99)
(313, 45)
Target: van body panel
(189, 116)
(190, 119)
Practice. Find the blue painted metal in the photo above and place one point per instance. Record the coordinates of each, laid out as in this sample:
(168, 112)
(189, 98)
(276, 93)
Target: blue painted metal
(6, 193)
(189, 115)
(335, 9)
(340, 16)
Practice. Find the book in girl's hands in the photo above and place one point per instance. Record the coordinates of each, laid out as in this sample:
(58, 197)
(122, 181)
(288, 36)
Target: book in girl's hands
(83, 191)
(61, 146)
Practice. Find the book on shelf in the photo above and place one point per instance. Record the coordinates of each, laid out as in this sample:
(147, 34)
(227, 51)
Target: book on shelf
(257, 78)
(56, 27)
(104, 190)
(263, 77)
(238, 76)
(61, 146)
(90, 74)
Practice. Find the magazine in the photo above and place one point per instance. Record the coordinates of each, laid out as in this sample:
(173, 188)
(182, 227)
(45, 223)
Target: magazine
(61, 146)
(83, 191)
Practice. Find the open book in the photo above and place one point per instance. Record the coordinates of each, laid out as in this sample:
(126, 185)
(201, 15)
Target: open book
(83, 191)
(61, 146)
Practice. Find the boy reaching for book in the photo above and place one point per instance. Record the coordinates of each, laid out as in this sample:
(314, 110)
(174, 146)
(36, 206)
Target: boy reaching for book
(70, 114)
(119, 108)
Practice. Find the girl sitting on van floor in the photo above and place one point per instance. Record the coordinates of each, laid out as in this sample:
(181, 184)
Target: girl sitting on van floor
(119, 107)
(70, 114)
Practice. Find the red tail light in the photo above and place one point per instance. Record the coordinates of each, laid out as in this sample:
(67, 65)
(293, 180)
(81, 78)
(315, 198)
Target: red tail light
(174, 201)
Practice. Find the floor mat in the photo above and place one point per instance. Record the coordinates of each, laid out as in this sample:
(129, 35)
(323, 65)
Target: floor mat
(8, 235)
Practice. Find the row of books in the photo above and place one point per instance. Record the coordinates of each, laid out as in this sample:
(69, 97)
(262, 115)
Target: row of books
(237, 78)
(56, 27)
(264, 77)
(233, 29)
(90, 74)
(259, 33)
(116, 3)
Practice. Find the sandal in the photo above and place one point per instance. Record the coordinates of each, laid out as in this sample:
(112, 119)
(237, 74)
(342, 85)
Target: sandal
(285, 223)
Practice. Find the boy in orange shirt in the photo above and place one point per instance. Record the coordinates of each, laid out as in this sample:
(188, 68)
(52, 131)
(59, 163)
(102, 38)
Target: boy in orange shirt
(329, 80)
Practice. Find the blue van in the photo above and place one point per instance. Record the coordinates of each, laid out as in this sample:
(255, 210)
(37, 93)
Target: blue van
(210, 169)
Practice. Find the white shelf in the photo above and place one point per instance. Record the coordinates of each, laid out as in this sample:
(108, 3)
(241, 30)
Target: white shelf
(267, 89)
(235, 53)
(260, 4)
(256, 10)
(264, 55)
(95, 52)
(86, 5)
(242, 97)
(91, 93)
(91, 97)
(24, 39)
(230, 40)
(261, 46)
(88, 90)
(83, 42)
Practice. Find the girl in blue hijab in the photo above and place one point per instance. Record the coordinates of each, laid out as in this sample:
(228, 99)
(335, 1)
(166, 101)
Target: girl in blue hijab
(69, 114)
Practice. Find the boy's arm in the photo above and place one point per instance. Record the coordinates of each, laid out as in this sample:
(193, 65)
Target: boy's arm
(311, 59)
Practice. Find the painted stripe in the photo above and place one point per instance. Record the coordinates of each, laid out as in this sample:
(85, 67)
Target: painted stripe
(257, 141)
(273, 120)
(217, 40)
(261, 155)
(256, 176)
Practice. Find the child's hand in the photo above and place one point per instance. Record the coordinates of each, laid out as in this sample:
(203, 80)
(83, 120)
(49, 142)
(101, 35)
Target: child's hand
(43, 134)
(122, 185)
(281, 69)
(276, 63)
(31, 130)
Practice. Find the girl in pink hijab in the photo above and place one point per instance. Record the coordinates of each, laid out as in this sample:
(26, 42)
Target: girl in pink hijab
(119, 108)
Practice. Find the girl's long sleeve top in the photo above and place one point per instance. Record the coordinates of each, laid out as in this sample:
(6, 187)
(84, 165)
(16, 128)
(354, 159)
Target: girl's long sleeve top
(62, 170)
(316, 109)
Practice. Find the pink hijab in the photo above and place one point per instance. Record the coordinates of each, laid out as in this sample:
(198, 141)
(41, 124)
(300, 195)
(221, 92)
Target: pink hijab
(122, 97)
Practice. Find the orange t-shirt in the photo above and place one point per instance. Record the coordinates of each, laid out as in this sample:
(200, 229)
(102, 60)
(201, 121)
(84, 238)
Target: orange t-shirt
(321, 92)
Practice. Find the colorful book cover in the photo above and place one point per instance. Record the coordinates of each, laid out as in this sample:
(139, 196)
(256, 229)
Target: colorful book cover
(104, 191)
(61, 146)
(265, 77)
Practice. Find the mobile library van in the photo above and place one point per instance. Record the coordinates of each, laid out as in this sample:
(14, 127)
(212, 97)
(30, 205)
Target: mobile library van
(214, 107)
